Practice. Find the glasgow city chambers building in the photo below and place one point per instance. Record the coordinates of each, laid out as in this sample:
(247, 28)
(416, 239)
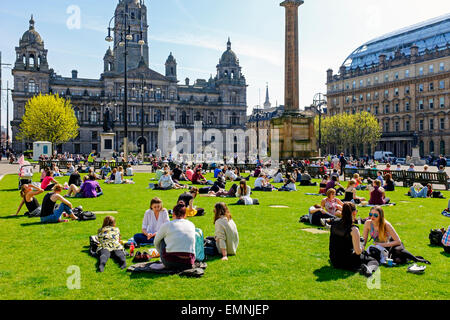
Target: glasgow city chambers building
(219, 103)
(403, 78)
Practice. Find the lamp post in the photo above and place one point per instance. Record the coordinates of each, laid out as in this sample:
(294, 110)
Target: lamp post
(319, 101)
(7, 114)
(257, 132)
(7, 65)
(141, 90)
(125, 35)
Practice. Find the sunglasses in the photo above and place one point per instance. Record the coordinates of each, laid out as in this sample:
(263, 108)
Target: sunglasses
(373, 214)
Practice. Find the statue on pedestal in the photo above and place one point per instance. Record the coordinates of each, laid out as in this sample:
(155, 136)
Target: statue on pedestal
(108, 122)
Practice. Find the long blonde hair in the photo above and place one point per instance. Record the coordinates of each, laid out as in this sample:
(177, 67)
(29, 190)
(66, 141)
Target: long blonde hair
(382, 232)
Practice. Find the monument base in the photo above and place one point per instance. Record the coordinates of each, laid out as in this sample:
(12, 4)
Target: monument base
(107, 145)
(415, 158)
(296, 136)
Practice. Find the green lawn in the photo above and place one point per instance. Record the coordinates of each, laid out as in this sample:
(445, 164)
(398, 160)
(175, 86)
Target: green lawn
(275, 259)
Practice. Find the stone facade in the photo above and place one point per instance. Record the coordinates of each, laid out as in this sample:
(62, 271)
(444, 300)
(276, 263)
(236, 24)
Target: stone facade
(408, 91)
(219, 102)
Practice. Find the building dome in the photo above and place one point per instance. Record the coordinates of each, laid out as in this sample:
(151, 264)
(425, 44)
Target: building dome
(31, 36)
(229, 57)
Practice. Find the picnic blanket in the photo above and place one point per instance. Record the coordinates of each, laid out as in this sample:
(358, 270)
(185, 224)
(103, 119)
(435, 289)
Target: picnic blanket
(314, 194)
(373, 205)
(158, 268)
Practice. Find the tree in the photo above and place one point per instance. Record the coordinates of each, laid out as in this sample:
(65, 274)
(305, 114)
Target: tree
(347, 130)
(48, 118)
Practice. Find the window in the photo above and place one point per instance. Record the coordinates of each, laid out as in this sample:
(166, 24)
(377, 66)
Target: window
(386, 93)
(368, 96)
(347, 85)
(361, 83)
(421, 87)
(396, 76)
(420, 104)
(353, 98)
(347, 99)
(407, 90)
(386, 126)
(397, 109)
(396, 91)
(431, 103)
(407, 106)
(407, 125)
(407, 73)
(183, 119)
(431, 147)
(354, 84)
(93, 116)
(442, 124)
(421, 71)
(431, 86)
(431, 68)
(386, 77)
(94, 135)
(441, 66)
(376, 79)
(368, 81)
(386, 109)
(361, 97)
(376, 95)
(420, 125)
(397, 126)
(442, 147)
(431, 124)
(376, 110)
(442, 84)
(441, 102)
(31, 86)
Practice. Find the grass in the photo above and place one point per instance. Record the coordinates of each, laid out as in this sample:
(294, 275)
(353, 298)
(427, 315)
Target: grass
(275, 258)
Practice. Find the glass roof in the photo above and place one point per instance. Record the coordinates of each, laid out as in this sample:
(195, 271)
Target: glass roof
(426, 35)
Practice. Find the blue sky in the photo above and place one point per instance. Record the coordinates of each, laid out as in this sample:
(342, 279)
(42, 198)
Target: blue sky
(196, 31)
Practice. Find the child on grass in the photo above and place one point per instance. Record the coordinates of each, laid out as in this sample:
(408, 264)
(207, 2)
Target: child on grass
(109, 238)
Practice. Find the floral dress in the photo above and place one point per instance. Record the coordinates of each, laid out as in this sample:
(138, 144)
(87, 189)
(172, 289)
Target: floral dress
(109, 238)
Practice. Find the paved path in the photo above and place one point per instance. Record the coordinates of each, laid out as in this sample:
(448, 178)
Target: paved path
(6, 168)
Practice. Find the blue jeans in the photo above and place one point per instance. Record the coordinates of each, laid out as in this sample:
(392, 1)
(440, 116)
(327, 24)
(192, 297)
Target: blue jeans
(421, 194)
(56, 215)
(141, 238)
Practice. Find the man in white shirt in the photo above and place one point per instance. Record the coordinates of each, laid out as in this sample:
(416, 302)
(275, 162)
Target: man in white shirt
(229, 174)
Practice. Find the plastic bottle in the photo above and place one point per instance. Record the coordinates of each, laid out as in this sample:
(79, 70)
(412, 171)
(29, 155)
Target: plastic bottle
(132, 249)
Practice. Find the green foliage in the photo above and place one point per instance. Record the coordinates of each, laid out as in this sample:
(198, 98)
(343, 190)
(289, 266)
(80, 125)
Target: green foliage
(346, 130)
(48, 118)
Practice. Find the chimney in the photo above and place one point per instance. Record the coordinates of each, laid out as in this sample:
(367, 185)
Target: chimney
(342, 70)
(329, 75)
(382, 60)
(74, 74)
(187, 81)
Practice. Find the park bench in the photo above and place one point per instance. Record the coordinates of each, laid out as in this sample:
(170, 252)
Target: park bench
(315, 172)
(424, 178)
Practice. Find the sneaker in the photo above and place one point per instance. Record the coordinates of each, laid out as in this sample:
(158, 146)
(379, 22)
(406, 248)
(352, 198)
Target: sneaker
(323, 222)
(365, 271)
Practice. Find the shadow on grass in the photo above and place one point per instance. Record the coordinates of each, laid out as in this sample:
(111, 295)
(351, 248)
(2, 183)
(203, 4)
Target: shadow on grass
(328, 273)
(33, 224)
(12, 217)
(445, 254)
(10, 190)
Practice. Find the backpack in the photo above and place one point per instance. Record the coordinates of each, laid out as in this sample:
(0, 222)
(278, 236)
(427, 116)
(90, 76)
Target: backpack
(199, 245)
(93, 245)
(435, 237)
(84, 215)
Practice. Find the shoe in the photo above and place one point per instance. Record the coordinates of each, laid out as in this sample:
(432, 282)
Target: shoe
(327, 226)
(365, 271)
(323, 222)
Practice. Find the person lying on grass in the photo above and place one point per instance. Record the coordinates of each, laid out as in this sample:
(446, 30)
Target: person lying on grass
(384, 235)
(226, 236)
(154, 218)
(419, 191)
(109, 239)
(88, 189)
(28, 193)
(52, 214)
(345, 247)
(331, 204)
(175, 241)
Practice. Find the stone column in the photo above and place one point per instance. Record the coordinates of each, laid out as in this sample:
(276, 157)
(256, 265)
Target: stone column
(291, 91)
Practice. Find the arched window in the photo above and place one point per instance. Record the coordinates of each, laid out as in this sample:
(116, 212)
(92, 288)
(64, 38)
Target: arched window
(183, 117)
(442, 147)
(31, 86)
(110, 66)
(32, 61)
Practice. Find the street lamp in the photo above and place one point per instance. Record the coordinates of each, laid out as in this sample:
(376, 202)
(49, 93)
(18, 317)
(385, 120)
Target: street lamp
(125, 36)
(319, 101)
(141, 90)
(5, 65)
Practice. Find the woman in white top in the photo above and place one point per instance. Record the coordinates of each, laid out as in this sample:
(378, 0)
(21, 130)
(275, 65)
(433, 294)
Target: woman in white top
(154, 218)
(243, 193)
(119, 175)
(226, 239)
(175, 241)
(278, 177)
(166, 182)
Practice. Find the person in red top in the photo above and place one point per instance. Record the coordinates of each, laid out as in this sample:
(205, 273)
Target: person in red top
(189, 173)
(198, 178)
(45, 184)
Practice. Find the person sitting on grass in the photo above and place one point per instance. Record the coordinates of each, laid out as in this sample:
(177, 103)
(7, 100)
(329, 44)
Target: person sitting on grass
(377, 194)
(289, 184)
(345, 246)
(262, 183)
(319, 217)
(154, 218)
(334, 184)
(359, 182)
(198, 178)
(28, 193)
(384, 235)
(166, 182)
(112, 176)
(175, 241)
(89, 189)
(419, 191)
(278, 177)
(109, 239)
(70, 169)
(178, 175)
(188, 200)
(323, 185)
(189, 173)
(331, 204)
(52, 214)
(46, 183)
(243, 193)
(446, 239)
(119, 175)
(306, 180)
(226, 237)
(350, 193)
(130, 171)
(389, 184)
(105, 170)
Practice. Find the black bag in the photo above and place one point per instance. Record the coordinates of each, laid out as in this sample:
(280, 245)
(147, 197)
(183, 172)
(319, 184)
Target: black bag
(435, 237)
(304, 219)
(93, 245)
(84, 215)
(437, 194)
